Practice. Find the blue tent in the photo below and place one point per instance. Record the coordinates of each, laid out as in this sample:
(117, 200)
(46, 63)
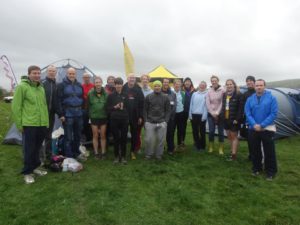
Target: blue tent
(288, 117)
(13, 136)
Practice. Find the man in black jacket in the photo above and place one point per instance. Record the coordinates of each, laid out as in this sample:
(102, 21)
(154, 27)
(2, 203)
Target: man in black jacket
(135, 109)
(250, 82)
(171, 122)
(49, 85)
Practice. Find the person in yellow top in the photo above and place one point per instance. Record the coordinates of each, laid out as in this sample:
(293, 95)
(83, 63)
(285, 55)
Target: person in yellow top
(30, 113)
(232, 111)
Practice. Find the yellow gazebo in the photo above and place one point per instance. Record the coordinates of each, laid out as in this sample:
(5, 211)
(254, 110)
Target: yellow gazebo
(161, 72)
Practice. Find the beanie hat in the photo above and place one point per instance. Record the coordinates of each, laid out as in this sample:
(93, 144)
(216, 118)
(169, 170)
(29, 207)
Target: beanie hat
(157, 82)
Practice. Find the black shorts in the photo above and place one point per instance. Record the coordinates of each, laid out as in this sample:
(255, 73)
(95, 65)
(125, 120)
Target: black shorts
(98, 122)
(228, 125)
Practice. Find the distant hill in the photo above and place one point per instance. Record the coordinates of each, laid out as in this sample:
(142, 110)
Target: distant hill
(292, 83)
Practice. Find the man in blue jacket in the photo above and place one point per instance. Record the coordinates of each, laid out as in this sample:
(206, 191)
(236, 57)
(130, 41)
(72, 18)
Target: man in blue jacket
(261, 111)
(70, 104)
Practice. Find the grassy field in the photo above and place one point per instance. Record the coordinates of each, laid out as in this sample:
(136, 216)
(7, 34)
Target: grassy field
(188, 188)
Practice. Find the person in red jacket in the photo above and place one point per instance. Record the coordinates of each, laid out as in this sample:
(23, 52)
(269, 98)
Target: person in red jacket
(87, 85)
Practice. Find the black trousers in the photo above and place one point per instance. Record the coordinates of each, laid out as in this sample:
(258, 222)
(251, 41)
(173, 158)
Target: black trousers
(179, 124)
(170, 135)
(119, 129)
(184, 124)
(33, 138)
(267, 140)
(133, 124)
(87, 130)
(199, 127)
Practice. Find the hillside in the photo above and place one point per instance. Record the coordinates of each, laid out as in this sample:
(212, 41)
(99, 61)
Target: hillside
(292, 83)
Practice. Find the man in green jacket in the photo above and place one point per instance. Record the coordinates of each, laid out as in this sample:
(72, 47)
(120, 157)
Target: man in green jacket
(30, 114)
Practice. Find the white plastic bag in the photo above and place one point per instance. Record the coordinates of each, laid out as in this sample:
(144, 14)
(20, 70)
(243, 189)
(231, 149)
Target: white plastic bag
(72, 165)
(83, 151)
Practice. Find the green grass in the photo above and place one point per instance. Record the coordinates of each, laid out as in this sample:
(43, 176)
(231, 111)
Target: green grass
(189, 188)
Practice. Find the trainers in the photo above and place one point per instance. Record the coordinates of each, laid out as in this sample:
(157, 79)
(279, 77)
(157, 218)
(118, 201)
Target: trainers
(40, 172)
(116, 161)
(269, 178)
(29, 179)
(123, 161)
(255, 174)
(133, 157)
(81, 158)
(147, 157)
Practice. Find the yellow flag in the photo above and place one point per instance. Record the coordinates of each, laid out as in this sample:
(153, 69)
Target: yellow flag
(128, 59)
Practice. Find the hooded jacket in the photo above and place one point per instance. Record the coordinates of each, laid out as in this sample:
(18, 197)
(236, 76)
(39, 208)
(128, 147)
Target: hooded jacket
(135, 101)
(29, 106)
(198, 105)
(214, 100)
(261, 110)
(97, 104)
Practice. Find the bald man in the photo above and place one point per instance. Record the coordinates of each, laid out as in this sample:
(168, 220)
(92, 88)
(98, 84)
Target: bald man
(135, 109)
(70, 105)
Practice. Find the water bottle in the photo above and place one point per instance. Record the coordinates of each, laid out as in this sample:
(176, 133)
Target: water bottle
(65, 167)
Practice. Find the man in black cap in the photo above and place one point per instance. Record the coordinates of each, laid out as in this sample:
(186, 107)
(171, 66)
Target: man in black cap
(250, 82)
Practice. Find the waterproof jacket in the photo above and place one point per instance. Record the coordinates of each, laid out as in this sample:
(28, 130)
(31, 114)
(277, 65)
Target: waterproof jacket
(173, 102)
(135, 101)
(29, 106)
(50, 90)
(235, 107)
(214, 100)
(157, 108)
(97, 104)
(114, 99)
(69, 98)
(261, 110)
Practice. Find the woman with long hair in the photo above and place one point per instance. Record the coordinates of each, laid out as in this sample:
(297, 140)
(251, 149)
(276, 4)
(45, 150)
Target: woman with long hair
(214, 106)
(232, 115)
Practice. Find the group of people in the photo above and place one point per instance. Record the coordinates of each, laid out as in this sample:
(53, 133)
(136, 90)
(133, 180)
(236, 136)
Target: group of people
(96, 111)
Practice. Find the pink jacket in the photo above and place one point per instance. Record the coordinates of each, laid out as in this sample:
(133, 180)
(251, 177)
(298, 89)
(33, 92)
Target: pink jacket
(214, 100)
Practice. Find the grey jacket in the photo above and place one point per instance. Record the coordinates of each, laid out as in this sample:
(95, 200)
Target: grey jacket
(156, 108)
(172, 97)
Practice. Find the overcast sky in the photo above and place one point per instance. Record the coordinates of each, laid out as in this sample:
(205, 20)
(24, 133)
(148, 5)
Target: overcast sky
(231, 38)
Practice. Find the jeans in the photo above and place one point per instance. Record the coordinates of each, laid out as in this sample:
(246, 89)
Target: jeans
(212, 127)
(72, 128)
(33, 138)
